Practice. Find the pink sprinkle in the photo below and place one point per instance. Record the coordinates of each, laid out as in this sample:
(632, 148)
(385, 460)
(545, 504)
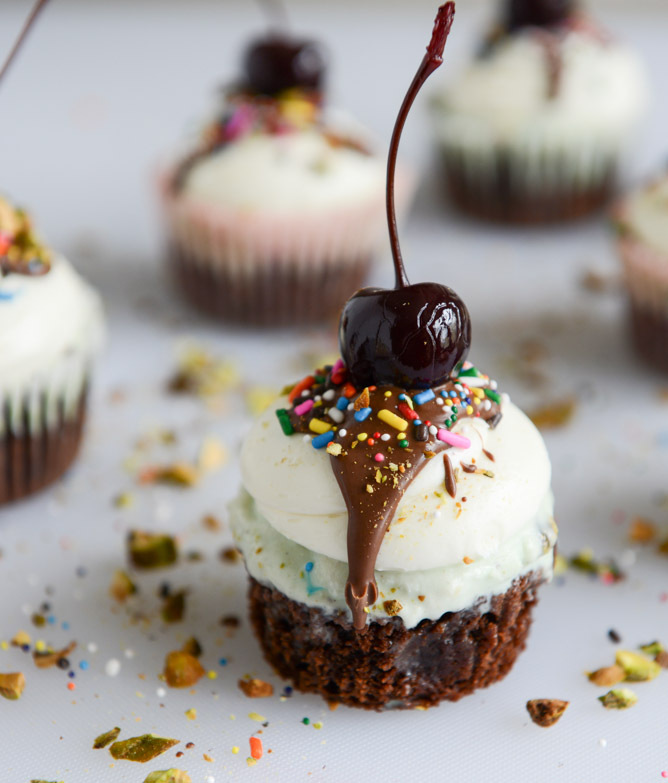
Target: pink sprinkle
(379, 457)
(663, 597)
(303, 407)
(459, 441)
(664, 774)
(338, 366)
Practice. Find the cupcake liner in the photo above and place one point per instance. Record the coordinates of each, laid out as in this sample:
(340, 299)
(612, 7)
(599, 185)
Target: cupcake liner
(268, 269)
(39, 451)
(539, 182)
(646, 277)
(41, 423)
(390, 666)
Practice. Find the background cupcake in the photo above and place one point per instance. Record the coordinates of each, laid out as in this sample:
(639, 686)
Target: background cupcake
(534, 129)
(275, 217)
(50, 330)
(642, 224)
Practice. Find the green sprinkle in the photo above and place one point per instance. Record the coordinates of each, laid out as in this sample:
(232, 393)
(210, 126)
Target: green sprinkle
(305, 721)
(494, 396)
(472, 372)
(319, 378)
(284, 421)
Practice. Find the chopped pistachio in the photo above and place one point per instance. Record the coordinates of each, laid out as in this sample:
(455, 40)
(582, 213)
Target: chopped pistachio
(12, 685)
(105, 739)
(653, 648)
(618, 699)
(255, 688)
(182, 670)
(662, 659)
(637, 667)
(124, 500)
(168, 776)
(553, 415)
(392, 607)
(151, 550)
(191, 714)
(642, 531)
(46, 659)
(174, 607)
(546, 712)
(121, 587)
(212, 455)
(192, 647)
(180, 474)
(141, 749)
(607, 676)
(230, 554)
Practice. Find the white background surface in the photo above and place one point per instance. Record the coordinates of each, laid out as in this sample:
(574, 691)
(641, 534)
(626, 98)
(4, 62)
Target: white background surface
(99, 93)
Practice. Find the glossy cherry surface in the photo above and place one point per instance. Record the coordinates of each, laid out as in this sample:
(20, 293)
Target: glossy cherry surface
(412, 337)
(276, 63)
(538, 13)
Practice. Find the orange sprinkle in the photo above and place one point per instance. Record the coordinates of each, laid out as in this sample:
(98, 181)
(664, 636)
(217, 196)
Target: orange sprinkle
(71, 686)
(306, 383)
(348, 390)
(256, 748)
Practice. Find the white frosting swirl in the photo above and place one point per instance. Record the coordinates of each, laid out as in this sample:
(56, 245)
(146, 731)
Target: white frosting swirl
(503, 98)
(297, 171)
(46, 322)
(295, 490)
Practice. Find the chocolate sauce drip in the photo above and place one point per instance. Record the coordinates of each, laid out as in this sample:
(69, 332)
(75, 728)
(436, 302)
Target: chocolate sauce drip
(373, 473)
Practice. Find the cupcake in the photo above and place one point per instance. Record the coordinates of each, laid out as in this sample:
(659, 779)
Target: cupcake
(50, 331)
(396, 517)
(642, 224)
(534, 130)
(274, 216)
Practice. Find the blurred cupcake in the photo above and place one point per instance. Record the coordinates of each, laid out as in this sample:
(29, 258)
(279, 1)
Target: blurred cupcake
(534, 130)
(642, 222)
(275, 216)
(50, 329)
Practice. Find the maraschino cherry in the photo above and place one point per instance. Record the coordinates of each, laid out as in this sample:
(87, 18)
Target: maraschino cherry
(411, 336)
(278, 62)
(538, 13)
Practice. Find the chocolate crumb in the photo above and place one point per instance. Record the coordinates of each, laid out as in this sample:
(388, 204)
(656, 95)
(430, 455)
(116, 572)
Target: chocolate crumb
(614, 636)
(254, 688)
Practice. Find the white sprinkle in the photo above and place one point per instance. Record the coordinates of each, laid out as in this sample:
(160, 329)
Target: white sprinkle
(603, 742)
(307, 438)
(351, 406)
(343, 432)
(493, 385)
(92, 648)
(433, 429)
(129, 653)
(487, 405)
(439, 400)
(112, 667)
(329, 394)
(335, 415)
(317, 398)
(306, 393)
(385, 436)
(161, 693)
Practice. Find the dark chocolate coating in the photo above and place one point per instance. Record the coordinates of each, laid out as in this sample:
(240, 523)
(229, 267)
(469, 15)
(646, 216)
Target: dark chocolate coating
(275, 63)
(538, 13)
(412, 336)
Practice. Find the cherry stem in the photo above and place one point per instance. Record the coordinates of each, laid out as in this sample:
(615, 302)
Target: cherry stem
(39, 5)
(431, 61)
(276, 13)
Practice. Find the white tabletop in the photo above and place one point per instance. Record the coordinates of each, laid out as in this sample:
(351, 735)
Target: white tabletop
(100, 92)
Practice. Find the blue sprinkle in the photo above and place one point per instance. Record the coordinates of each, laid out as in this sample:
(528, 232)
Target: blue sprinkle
(342, 403)
(25, 647)
(403, 396)
(424, 396)
(444, 393)
(310, 589)
(308, 567)
(223, 661)
(288, 690)
(320, 441)
(362, 414)
(417, 422)
(71, 675)
(83, 665)
(51, 619)
(6, 296)
(453, 394)
(65, 626)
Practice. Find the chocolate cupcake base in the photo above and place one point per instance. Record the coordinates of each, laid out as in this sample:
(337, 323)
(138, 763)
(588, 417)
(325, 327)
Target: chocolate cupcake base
(38, 455)
(388, 665)
(649, 331)
(273, 295)
(498, 195)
